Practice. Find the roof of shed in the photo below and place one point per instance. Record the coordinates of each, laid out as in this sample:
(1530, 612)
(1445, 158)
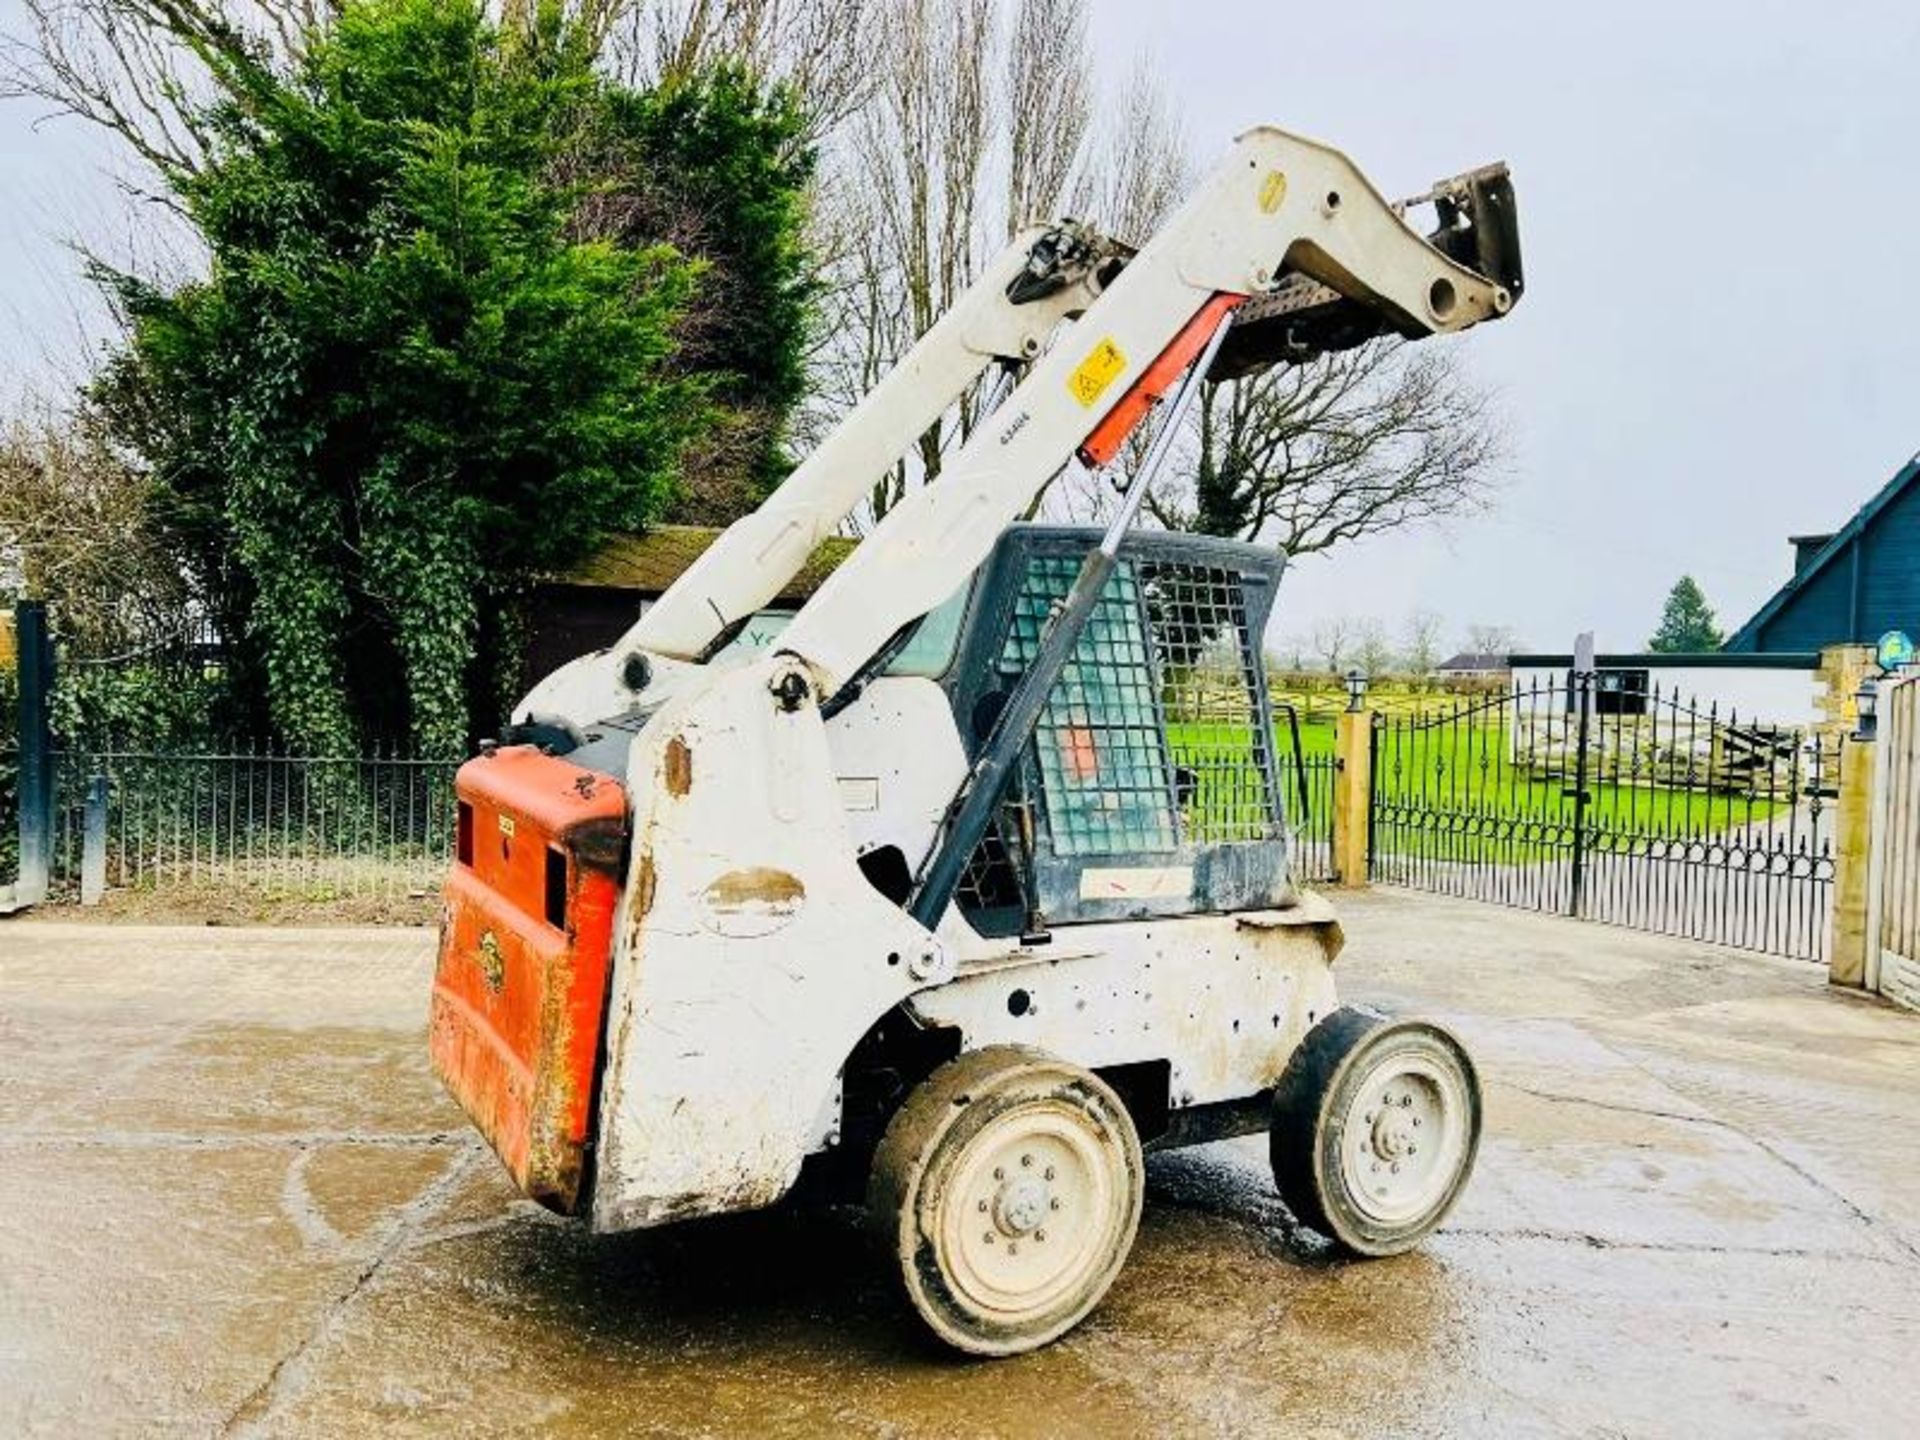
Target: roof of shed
(648, 564)
(1748, 635)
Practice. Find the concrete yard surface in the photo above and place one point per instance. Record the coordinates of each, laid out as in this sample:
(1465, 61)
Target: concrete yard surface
(233, 1199)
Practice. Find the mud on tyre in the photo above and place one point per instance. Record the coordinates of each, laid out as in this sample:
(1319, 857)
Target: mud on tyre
(1005, 1196)
(1376, 1124)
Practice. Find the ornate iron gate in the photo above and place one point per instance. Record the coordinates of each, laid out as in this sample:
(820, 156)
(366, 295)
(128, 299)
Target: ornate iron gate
(1604, 797)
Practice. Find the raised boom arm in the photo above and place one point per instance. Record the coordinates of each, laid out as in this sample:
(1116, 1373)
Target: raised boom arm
(1055, 273)
(1278, 209)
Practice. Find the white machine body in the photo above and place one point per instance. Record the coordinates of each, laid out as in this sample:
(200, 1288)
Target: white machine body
(752, 948)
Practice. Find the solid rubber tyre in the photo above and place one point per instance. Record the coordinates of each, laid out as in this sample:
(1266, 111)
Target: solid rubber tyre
(1005, 1196)
(1359, 1099)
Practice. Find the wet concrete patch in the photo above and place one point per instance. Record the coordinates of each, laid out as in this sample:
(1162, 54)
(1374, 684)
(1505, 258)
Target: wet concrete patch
(44, 1072)
(769, 1324)
(233, 1198)
(264, 1079)
(153, 1287)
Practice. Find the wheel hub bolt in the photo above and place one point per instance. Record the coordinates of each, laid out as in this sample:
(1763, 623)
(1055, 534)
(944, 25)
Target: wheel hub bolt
(1020, 1206)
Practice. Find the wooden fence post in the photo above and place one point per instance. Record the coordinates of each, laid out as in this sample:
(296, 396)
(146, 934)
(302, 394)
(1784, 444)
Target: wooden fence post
(1352, 795)
(1852, 862)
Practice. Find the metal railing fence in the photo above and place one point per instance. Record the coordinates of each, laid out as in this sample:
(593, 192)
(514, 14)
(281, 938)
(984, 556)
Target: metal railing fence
(1312, 823)
(257, 821)
(1634, 806)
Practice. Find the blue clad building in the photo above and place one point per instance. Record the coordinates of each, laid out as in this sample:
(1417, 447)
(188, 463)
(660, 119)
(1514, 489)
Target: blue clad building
(1850, 587)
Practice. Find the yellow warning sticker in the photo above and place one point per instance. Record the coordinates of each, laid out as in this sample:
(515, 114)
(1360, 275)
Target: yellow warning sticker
(506, 825)
(1095, 373)
(1273, 190)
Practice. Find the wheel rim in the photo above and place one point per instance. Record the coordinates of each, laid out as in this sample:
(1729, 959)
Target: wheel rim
(1031, 1212)
(1405, 1138)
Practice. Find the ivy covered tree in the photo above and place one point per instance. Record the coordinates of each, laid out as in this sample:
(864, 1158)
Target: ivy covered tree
(469, 306)
(716, 165)
(1686, 623)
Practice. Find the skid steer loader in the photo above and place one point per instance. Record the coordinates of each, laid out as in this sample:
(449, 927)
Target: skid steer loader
(980, 886)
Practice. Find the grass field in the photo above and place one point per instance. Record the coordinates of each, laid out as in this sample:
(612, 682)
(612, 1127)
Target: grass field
(1455, 789)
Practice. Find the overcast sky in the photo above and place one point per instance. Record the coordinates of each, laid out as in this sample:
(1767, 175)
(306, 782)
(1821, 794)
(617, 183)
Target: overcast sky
(1720, 212)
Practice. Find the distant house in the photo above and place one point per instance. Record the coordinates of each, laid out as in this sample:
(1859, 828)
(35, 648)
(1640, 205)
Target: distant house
(1466, 666)
(1778, 688)
(589, 607)
(1852, 586)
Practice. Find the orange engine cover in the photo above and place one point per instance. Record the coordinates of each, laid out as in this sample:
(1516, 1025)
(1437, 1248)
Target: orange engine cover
(526, 942)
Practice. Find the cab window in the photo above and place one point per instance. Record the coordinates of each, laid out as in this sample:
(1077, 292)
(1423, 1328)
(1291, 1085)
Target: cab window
(929, 650)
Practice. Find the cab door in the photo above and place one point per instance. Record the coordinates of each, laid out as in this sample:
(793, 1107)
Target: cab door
(1148, 787)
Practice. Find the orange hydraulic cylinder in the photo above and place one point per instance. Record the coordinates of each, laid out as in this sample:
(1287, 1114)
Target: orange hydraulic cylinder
(1111, 433)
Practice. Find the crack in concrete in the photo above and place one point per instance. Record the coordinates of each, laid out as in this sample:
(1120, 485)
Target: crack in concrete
(1881, 1228)
(292, 1373)
(1877, 1226)
(1593, 1241)
(446, 1234)
(1617, 1108)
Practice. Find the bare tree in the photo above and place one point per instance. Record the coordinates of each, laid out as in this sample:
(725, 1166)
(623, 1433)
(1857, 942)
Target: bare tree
(1354, 443)
(1372, 650)
(77, 529)
(1291, 655)
(1496, 640)
(813, 46)
(139, 68)
(135, 67)
(1136, 168)
(911, 205)
(1420, 641)
(1140, 165)
(1048, 99)
(1331, 640)
(920, 150)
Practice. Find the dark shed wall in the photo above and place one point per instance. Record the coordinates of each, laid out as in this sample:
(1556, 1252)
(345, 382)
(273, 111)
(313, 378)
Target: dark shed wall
(565, 622)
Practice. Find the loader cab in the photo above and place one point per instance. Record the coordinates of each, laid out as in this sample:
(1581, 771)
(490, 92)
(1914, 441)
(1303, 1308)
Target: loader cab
(1151, 786)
